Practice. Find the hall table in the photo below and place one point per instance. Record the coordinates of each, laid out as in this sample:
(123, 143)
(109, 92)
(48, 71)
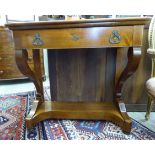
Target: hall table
(96, 33)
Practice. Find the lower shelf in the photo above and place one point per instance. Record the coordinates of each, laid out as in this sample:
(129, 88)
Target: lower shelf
(77, 110)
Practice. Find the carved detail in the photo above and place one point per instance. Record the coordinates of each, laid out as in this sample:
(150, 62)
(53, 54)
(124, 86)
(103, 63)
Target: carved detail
(22, 63)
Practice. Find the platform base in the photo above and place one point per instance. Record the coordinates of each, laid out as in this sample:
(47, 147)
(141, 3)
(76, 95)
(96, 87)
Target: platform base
(80, 110)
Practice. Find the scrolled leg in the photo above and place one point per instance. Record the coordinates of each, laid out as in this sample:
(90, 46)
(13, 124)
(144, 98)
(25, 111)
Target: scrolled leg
(35, 75)
(134, 55)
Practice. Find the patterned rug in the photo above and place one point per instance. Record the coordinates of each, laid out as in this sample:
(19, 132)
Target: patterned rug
(12, 116)
(87, 130)
(13, 110)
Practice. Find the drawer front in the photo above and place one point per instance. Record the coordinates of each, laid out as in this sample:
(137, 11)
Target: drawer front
(10, 72)
(6, 42)
(6, 37)
(6, 60)
(7, 48)
(93, 37)
(9, 59)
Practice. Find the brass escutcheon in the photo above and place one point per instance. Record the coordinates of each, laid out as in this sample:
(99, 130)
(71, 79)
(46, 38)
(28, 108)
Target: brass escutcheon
(75, 37)
(37, 41)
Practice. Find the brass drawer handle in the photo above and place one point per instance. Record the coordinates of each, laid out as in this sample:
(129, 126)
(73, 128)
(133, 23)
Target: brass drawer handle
(1, 72)
(1, 58)
(37, 40)
(115, 37)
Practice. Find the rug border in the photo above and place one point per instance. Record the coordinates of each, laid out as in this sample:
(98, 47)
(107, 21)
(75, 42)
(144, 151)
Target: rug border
(143, 125)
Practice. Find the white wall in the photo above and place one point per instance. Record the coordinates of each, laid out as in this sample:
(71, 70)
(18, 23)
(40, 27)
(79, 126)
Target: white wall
(46, 63)
(2, 20)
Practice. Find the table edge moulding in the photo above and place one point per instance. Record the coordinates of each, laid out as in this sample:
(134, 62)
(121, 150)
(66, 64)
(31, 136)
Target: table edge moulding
(99, 33)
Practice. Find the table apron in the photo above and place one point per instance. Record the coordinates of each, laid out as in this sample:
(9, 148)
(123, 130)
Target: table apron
(92, 37)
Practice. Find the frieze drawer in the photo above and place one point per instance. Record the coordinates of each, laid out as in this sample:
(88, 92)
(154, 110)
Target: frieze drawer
(77, 37)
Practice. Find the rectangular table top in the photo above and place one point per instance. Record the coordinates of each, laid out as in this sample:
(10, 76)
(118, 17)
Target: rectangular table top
(104, 22)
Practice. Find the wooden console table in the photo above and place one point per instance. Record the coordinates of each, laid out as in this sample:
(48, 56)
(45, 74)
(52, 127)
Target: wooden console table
(103, 33)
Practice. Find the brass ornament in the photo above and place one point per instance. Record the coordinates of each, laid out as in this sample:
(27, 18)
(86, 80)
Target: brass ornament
(75, 37)
(37, 41)
(115, 37)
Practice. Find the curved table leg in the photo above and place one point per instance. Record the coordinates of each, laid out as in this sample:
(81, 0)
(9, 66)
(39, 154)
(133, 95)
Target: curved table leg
(134, 55)
(36, 76)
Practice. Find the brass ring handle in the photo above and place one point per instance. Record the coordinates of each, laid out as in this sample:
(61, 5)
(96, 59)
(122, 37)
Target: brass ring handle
(115, 37)
(37, 40)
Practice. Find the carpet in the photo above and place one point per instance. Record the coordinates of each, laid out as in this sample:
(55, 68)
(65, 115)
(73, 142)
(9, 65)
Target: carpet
(12, 116)
(92, 130)
(13, 110)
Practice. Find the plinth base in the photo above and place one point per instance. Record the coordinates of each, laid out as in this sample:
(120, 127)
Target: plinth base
(80, 110)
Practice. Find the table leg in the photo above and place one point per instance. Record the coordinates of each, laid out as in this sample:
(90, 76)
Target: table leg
(35, 75)
(149, 107)
(38, 73)
(134, 55)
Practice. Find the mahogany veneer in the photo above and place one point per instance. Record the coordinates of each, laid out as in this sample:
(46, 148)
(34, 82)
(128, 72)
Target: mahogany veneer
(82, 34)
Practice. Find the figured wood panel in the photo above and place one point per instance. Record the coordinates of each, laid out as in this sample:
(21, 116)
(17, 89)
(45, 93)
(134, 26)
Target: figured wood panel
(11, 71)
(138, 35)
(82, 75)
(109, 82)
(7, 59)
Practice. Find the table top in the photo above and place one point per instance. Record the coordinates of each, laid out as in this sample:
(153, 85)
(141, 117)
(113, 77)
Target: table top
(79, 23)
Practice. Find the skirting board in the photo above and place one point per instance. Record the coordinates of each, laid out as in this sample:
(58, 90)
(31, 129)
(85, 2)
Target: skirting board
(137, 107)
